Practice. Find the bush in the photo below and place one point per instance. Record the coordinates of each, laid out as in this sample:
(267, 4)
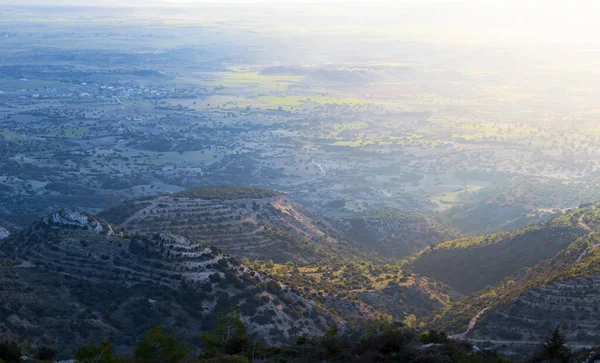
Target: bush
(46, 353)
(226, 359)
(10, 352)
(159, 346)
(95, 353)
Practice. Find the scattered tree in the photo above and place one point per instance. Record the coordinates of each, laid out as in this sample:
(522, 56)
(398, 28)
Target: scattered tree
(96, 353)
(159, 346)
(228, 337)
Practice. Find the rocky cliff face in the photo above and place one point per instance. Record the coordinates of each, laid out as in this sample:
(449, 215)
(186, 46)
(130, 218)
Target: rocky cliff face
(71, 277)
(75, 222)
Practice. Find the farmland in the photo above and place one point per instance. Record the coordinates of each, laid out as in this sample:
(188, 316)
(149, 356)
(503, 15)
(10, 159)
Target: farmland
(104, 120)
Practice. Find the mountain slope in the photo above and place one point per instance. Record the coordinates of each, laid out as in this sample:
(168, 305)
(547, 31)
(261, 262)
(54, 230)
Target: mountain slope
(393, 233)
(363, 290)
(73, 277)
(470, 264)
(561, 291)
(243, 221)
(482, 217)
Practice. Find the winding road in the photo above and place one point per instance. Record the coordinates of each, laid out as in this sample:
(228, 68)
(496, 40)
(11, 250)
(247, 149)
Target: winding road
(590, 232)
(471, 325)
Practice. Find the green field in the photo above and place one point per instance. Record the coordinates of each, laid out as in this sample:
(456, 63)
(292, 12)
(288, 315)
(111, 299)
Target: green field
(448, 199)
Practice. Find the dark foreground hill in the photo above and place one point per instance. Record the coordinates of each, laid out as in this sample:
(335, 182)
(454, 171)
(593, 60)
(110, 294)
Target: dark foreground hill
(72, 277)
(242, 221)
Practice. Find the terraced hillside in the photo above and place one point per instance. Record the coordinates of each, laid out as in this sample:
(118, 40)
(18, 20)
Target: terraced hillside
(519, 311)
(516, 315)
(392, 233)
(471, 264)
(572, 304)
(242, 221)
(72, 278)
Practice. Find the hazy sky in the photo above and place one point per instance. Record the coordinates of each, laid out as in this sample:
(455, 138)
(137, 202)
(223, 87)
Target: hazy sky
(535, 21)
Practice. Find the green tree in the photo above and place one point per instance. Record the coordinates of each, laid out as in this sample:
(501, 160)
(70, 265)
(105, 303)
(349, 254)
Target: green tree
(10, 352)
(226, 359)
(434, 336)
(45, 353)
(91, 353)
(228, 337)
(379, 326)
(332, 332)
(157, 345)
(555, 347)
(410, 321)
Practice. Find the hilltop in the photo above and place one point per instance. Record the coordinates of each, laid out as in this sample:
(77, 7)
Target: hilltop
(393, 233)
(243, 221)
(72, 277)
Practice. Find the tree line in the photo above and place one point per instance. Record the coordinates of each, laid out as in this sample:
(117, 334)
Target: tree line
(229, 342)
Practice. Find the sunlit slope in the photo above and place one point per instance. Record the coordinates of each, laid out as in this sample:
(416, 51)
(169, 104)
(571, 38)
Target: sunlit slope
(362, 290)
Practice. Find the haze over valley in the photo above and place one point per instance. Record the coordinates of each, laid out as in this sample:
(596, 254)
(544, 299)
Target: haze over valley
(391, 181)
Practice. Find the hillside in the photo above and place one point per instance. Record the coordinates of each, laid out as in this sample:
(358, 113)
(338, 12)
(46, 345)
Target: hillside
(484, 217)
(363, 290)
(243, 221)
(561, 291)
(470, 264)
(392, 233)
(73, 277)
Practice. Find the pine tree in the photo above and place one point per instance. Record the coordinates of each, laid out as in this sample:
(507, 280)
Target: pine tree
(555, 347)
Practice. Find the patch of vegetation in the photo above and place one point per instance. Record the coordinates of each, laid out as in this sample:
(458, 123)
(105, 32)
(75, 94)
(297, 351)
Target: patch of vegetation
(228, 343)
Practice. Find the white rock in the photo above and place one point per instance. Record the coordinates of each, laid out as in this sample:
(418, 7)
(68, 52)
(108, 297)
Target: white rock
(4, 233)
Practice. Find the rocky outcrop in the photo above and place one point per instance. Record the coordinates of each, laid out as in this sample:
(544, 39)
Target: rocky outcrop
(75, 222)
(4, 233)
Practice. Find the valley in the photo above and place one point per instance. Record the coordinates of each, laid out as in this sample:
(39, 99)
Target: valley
(551, 285)
(88, 124)
(413, 182)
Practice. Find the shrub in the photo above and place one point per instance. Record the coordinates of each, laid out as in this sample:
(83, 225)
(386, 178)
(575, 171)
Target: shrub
(46, 353)
(226, 359)
(10, 352)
